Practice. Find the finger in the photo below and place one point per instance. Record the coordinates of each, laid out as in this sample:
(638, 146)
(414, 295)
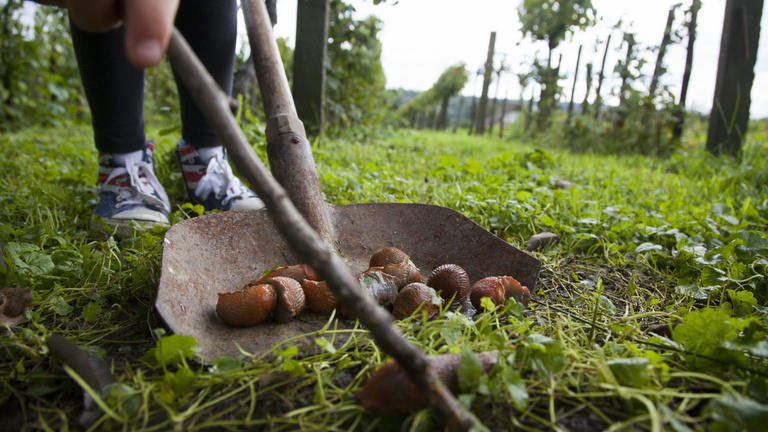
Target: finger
(94, 15)
(148, 26)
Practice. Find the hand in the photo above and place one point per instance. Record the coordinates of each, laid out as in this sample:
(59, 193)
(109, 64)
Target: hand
(148, 24)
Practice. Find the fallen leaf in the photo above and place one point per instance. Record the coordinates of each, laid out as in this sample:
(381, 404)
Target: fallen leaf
(13, 303)
(541, 240)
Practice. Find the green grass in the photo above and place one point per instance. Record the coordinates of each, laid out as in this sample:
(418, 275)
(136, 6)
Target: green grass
(650, 312)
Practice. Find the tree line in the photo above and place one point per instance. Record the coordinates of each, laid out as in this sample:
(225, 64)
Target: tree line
(39, 84)
(648, 118)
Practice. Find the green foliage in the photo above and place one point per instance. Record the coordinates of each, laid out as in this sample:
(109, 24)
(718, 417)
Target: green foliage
(547, 76)
(355, 78)
(160, 96)
(451, 81)
(426, 103)
(633, 372)
(705, 332)
(732, 413)
(39, 82)
(593, 351)
(470, 371)
(552, 20)
(173, 350)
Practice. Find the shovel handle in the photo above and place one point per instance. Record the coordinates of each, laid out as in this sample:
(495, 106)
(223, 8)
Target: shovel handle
(288, 150)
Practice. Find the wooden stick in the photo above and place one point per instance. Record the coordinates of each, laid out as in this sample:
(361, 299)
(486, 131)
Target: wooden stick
(303, 240)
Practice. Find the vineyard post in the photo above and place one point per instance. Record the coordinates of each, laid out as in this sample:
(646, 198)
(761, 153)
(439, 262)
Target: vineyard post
(585, 102)
(735, 75)
(309, 63)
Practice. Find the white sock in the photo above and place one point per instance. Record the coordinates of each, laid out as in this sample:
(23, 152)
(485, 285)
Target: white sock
(125, 159)
(206, 153)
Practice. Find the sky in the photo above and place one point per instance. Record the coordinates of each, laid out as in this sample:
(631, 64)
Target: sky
(421, 38)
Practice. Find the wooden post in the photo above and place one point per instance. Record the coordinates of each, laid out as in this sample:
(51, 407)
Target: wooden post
(598, 97)
(309, 63)
(573, 88)
(483, 106)
(677, 130)
(735, 74)
(585, 102)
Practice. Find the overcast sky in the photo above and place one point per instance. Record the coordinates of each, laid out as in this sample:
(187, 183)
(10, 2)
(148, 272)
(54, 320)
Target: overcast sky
(421, 38)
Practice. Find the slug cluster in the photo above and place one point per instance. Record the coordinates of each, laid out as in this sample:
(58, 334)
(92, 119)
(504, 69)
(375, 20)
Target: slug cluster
(391, 279)
(281, 294)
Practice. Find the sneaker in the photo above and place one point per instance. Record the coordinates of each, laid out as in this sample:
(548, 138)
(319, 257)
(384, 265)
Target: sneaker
(130, 195)
(212, 183)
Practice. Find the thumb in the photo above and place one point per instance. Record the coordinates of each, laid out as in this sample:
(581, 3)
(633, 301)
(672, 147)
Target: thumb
(148, 25)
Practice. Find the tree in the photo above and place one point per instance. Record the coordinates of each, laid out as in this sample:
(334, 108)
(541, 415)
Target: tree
(666, 39)
(450, 84)
(735, 74)
(355, 82)
(551, 21)
(693, 13)
(487, 76)
(628, 70)
(573, 88)
(426, 103)
(39, 82)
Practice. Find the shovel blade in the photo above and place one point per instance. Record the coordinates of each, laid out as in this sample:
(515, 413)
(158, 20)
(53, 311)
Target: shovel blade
(218, 253)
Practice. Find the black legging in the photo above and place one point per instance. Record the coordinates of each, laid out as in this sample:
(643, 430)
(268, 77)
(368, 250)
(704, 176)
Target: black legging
(115, 88)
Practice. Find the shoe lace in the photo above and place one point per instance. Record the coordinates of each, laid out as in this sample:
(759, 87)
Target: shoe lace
(220, 181)
(144, 188)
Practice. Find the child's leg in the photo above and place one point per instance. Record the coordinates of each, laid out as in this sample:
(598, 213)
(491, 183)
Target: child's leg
(114, 88)
(210, 27)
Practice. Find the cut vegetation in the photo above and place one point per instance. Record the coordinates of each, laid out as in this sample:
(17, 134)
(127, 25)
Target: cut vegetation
(650, 311)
